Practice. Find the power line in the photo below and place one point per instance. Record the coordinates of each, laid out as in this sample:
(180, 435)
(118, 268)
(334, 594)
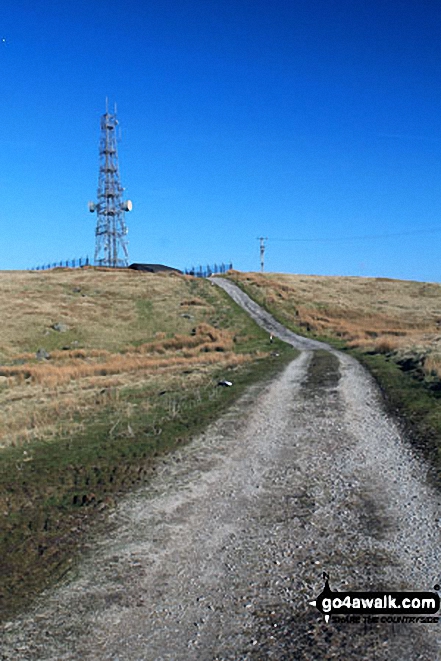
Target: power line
(368, 237)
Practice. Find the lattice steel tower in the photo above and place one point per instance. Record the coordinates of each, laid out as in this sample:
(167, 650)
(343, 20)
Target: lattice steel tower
(111, 231)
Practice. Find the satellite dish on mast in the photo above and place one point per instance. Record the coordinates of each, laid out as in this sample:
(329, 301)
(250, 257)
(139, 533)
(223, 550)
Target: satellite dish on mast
(127, 206)
(92, 207)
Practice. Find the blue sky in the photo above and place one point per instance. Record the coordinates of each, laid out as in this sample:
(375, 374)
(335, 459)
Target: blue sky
(310, 122)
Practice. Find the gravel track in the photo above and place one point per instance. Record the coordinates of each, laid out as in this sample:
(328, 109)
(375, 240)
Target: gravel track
(266, 320)
(220, 555)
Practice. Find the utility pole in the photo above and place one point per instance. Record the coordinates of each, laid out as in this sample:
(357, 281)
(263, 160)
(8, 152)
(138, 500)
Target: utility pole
(262, 251)
(111, 231)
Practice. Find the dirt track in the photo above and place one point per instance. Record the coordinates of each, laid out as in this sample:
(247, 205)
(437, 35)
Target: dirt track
(219, 557)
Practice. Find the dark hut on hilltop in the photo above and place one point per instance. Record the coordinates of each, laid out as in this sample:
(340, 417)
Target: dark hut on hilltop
(154, 268)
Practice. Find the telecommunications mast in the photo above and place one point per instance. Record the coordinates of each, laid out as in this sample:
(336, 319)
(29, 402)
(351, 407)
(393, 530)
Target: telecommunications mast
(111, 231)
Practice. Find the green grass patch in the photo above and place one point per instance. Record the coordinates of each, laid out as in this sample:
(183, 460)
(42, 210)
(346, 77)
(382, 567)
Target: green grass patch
(52, 340)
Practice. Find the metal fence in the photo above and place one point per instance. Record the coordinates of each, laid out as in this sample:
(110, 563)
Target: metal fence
(198, 271)
(67, 264)
(205, 272)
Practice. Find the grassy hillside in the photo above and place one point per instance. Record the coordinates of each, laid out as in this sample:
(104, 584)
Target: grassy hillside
(375, 314)
(104, 332)
(392, 326)
(101, 371)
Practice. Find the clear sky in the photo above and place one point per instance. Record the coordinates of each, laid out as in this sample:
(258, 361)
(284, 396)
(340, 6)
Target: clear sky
(310, 122)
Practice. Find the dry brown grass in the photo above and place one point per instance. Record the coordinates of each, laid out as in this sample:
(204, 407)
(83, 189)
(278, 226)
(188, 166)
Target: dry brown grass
(53, 397)
(124, 328)
(370, 313)
(102, 309)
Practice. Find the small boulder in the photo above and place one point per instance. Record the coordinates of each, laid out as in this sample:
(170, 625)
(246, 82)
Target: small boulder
(42, 354)
(61, 328)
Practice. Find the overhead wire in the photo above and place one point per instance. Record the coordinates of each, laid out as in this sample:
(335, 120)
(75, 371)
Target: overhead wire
(368, 237)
